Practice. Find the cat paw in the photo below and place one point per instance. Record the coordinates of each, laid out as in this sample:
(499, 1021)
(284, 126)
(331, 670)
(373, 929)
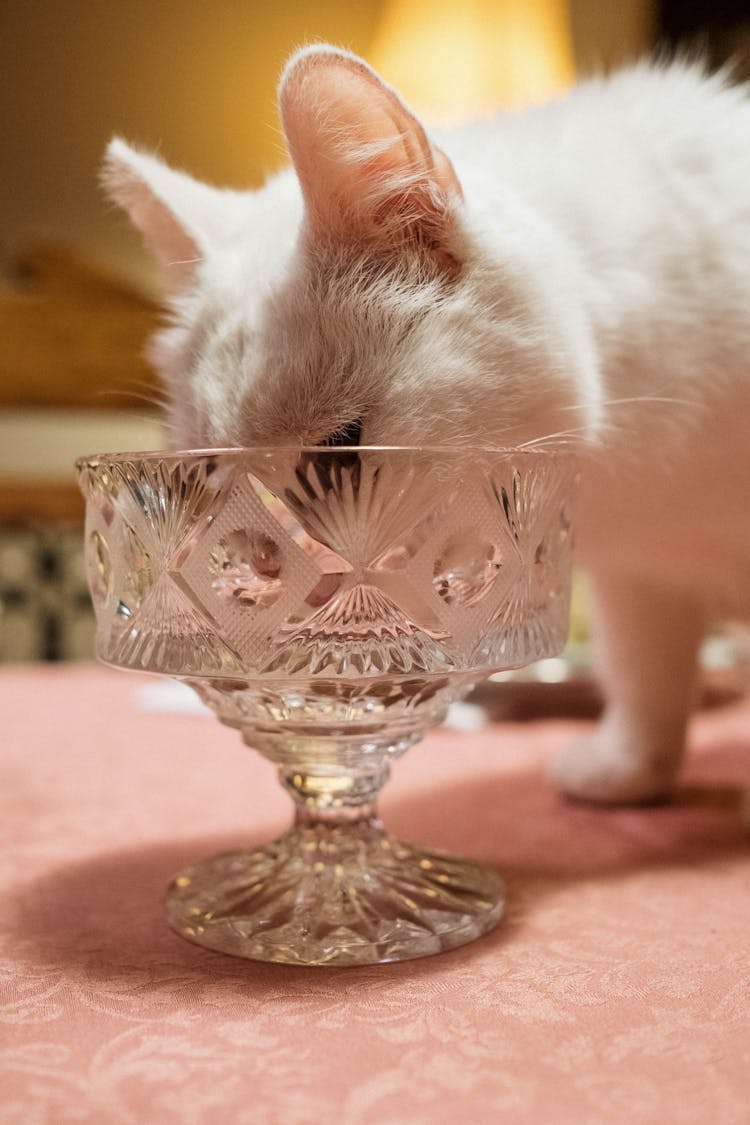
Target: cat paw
(597, 769)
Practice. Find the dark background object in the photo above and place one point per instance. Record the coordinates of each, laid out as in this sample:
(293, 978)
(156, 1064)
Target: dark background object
(719, 29)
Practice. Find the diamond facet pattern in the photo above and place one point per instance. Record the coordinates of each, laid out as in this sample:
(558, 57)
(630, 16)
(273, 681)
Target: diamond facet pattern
(330, 604)
(329, 564)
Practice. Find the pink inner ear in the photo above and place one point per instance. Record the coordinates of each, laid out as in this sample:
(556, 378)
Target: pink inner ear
(179, 217)
(169, 240)
(356, 147)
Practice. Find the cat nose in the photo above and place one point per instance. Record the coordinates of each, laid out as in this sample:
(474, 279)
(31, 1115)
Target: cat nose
(349, 434)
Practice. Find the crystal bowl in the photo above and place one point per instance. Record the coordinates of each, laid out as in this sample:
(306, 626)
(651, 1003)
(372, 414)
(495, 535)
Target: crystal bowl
(330, 603)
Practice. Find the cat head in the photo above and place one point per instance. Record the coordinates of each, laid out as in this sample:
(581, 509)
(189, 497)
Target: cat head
(362, 296)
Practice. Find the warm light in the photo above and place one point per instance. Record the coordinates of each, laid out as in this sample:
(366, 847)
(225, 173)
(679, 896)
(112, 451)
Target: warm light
(456, 59)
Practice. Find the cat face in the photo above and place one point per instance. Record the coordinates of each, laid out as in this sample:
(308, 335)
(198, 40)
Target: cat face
(359, 297)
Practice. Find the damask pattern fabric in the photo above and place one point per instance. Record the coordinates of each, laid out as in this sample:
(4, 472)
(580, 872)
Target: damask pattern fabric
(617, 988)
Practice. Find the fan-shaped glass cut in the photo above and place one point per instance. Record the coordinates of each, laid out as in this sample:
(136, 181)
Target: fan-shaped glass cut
(330, 604)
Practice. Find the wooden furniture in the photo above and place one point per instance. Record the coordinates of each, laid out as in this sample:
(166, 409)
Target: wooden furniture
(73, 337)
(73, 341)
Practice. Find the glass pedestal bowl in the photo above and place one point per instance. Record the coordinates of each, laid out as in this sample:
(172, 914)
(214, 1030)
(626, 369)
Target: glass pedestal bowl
(330, 603)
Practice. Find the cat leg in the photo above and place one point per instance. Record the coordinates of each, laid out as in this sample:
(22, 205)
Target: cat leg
(647, 640)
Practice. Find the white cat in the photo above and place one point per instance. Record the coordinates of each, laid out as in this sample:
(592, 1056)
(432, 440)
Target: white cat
(580, 270)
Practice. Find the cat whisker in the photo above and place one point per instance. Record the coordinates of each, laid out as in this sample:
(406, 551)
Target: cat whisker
(157, 400)
(636, 399)
(563, 436)
(603, 429)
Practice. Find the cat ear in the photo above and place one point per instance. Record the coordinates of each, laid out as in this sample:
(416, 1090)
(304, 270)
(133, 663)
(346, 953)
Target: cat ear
(177, 215)
(364, 162)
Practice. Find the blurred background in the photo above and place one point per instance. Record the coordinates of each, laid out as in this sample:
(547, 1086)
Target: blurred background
(195, 80)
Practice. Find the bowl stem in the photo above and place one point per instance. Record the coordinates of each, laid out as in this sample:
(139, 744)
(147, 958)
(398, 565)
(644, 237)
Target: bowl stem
(335, 888)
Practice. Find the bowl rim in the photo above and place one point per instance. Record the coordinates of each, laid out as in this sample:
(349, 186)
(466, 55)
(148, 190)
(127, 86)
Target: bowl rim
(238, 452)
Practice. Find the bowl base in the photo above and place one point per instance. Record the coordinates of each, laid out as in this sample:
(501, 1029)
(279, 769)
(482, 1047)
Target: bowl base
(334, 896)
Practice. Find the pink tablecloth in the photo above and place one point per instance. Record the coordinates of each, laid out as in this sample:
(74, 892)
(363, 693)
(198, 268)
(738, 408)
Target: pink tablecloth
(616, 990)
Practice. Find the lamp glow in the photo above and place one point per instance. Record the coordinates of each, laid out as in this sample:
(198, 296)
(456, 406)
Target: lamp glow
(457, 59)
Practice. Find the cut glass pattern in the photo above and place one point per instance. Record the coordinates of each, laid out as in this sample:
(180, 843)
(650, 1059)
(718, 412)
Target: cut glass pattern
(330, 604)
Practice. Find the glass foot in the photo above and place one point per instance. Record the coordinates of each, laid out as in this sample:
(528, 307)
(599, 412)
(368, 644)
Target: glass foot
(342, 895)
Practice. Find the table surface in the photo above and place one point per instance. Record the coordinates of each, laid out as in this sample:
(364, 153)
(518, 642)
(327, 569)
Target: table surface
(616, 989)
